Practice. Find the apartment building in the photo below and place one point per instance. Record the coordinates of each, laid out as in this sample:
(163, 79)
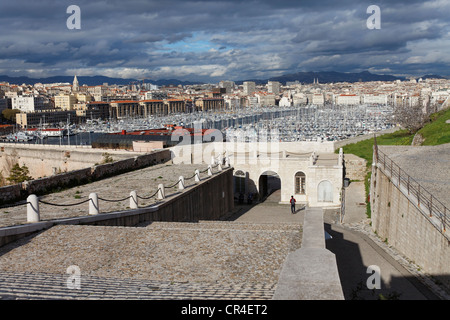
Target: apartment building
(374, 99)
(65, 101)
(45, 117)
(273, 87)
(28, 103)
(249, 87)
(348, 99)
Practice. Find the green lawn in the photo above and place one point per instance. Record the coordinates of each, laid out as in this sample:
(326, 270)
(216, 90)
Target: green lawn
(437, 132)
(364, 149)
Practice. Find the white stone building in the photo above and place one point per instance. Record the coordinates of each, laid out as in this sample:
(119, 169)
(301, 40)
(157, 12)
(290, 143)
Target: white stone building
(309, 171)
(348, 99)
(65, 101)
(315, 98)
(299, 99)
(265, 99)
(374, 99)
(28, 103)
(285, 102)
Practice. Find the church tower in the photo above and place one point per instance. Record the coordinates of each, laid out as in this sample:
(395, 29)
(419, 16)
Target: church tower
(75, 85)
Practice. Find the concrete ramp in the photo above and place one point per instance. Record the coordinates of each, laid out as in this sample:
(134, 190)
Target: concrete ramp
(310, 273)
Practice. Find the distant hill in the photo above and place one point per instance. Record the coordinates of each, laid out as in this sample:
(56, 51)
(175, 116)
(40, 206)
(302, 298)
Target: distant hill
(432, 76)
(333, 76)
(302, 77)
(90, 80)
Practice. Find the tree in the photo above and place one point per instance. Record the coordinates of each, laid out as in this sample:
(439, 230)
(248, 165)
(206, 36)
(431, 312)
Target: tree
(19, 174)
(10, 114)
(412, 118)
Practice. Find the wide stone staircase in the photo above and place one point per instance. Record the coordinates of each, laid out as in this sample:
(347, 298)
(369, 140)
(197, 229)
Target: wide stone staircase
(159, 260)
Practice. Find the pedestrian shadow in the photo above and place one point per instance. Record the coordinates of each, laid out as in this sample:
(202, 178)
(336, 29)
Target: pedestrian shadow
(302, 208)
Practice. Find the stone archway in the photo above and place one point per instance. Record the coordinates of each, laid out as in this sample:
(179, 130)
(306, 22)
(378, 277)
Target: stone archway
(269, 183)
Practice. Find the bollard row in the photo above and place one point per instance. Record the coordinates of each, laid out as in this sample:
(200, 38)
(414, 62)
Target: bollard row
(33, 213)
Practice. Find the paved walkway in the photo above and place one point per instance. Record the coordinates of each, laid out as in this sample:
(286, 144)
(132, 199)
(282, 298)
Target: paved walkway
(270, 211)
(356, 248)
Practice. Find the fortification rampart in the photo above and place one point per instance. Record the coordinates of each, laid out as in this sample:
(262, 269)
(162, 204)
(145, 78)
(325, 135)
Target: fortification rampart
(47, 160)
(16, 192)
(410, 219)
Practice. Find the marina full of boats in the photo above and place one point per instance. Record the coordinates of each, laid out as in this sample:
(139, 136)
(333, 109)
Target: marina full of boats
(36, 134)
(306, 123)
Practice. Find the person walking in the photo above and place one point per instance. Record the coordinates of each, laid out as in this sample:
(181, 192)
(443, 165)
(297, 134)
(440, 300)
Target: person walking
(292, 201)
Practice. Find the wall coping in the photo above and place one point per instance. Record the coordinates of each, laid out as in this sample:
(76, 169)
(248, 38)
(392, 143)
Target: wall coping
(310, 273)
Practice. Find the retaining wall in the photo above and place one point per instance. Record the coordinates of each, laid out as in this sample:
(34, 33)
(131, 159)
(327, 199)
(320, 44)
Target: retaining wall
(18, 192)
(403, 225)
(46, 160)
(355, 167)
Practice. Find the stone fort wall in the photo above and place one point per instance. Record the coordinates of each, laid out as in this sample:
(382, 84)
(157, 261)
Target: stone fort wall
(81, 176)
(399, 222)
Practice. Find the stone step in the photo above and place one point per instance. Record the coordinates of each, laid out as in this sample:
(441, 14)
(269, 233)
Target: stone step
(15, 285)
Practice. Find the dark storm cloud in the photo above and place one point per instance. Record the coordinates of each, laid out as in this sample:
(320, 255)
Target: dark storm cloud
(222, 39)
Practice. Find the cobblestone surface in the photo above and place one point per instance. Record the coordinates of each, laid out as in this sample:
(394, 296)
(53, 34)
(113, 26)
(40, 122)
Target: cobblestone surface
(206, 260)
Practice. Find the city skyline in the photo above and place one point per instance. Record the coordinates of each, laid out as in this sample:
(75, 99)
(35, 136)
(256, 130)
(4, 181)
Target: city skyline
(209, 41)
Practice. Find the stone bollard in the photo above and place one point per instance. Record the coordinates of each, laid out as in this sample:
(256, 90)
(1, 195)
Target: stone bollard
(219, 167)
(93, 204)
(181, 183)
(209, 170)
(33, 209)
(213, 160)
(197, 176)
(133, 200)
(341, 157)
(161, 192)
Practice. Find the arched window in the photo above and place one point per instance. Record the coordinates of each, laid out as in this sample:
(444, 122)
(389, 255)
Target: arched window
(300, 183)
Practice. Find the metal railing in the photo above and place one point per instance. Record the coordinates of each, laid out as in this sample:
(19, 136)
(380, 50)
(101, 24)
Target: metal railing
(428, 204)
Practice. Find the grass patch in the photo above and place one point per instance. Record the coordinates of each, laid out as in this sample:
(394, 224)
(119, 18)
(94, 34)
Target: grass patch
(364, 149)
(437, 131)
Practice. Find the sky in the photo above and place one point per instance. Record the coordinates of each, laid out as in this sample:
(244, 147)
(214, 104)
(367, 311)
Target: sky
(210, 40)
